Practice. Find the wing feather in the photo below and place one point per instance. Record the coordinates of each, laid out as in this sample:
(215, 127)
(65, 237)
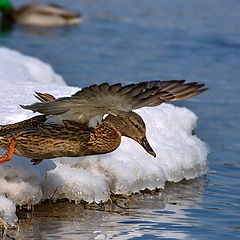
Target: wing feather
(94, 101)
(114, 88)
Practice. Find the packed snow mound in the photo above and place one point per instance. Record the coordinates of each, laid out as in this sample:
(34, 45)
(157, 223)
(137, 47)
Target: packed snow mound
(180, 154)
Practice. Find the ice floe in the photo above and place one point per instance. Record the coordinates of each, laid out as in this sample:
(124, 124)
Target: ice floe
(169, 130)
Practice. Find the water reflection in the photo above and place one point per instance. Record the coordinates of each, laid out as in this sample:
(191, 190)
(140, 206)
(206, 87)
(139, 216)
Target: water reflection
(159, 213)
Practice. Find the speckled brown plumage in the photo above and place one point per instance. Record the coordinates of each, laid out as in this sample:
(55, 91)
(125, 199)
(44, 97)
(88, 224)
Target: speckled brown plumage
(39, 141)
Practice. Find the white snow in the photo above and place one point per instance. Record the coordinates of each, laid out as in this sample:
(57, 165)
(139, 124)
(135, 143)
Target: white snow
(169, 130)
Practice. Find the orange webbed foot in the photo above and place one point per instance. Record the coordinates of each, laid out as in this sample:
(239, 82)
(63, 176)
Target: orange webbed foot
(36, 161)
(7, 156)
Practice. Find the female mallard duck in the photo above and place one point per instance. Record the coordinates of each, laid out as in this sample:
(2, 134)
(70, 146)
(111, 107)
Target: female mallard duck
(74, 126)
(38, 15)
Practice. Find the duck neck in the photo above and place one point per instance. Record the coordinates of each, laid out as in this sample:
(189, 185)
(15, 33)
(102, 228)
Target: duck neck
(103, 139)
(6, 7)
(118, 123)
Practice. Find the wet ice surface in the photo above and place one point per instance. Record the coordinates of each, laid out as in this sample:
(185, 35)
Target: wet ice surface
(169, 130)
(131, 41)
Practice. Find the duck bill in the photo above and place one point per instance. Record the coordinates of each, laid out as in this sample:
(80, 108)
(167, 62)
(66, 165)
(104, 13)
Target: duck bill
(145, 144)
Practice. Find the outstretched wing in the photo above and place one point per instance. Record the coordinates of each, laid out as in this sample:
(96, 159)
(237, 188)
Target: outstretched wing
(91, 103)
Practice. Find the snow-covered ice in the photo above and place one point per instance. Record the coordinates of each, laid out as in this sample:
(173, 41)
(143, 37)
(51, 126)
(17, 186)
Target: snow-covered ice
(169, 130)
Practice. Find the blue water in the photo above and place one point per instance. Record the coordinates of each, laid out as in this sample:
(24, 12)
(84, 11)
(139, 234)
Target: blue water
(130, 41)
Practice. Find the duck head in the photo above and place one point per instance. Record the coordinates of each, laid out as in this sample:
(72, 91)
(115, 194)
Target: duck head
(131, 125)
(6, 6)
(6, 18)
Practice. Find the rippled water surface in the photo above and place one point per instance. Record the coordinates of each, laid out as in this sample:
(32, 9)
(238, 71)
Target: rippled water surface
(138, 40)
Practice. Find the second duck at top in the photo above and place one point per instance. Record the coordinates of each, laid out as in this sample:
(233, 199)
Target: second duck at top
(37, 15)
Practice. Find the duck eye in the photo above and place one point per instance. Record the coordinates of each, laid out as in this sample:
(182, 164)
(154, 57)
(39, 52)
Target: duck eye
(136, 126)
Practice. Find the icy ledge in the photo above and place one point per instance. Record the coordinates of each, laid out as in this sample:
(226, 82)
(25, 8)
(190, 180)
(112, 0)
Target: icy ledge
(169, 130)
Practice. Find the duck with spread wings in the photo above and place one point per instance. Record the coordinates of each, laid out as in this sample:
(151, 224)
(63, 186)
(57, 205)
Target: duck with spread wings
(74, 126)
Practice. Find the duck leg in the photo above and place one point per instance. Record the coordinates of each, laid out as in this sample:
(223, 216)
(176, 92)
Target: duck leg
(36, 161)
(7, 156)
